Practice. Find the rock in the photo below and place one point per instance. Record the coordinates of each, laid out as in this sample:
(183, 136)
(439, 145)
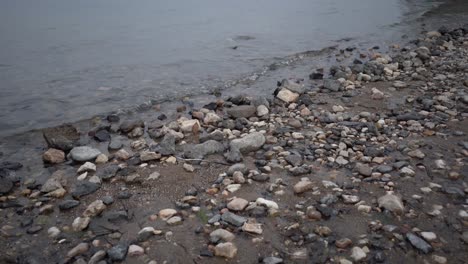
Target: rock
(101, 159)
(272, 260)
(146, 233)
(303, 186)
(211, 118)
(165, 214)
(95, 209)
(294, 159)
(149, 156)
(391, 203)
(199, 151)
(332, 85)
(84, 188)
(54, 182)
(221, 235)
(128, 125)
(62, 137)
(97, 257)
(237, 204)
(80, 223)
(227, 250)
(167, 145)
(253, 228)
(287, 96)
(233, 155)
(68, 204)
(429, 236)
(233, 219)
(292, 86)
(78, 250)
(53, 156)
(115, 144)
(419, 243)
(237, 167)
(118, 252)
(122, 154)
(107, 171)
(34, 229)
(416, 154)
(82, 154)
(135, 250)
(87, 167)
(6, 185)
(357, 254)
(399, 84)
(189, 126)
(343, 243)
(53, 232)
(350, 199)
(262, 110)
(267, 203)
(249, 143)
(175, 220)
(102, 135)
(189, 168)
(364, 170)
(377, 94)
(154, 176)
(240, 111)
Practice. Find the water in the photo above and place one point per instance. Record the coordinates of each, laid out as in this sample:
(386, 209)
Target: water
(66, 60)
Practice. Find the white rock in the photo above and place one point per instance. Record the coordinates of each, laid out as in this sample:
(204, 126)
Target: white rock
(358, 254)
(287, 96)
(262, 110)
(88, 166)
(269, 204)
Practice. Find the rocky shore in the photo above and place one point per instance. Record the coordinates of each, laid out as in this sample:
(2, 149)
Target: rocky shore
(364, 162)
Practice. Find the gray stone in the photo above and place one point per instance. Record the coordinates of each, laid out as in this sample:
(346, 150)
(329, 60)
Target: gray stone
(293, 86)
(294, 159)
(115, 144)
(221, 235)
(118, 252)
(167, 145)
(332, 85)
(419, 243)
(237, 167)
(364, 170)
(107, 171)
(245, 111)
(199, 151)
(84, 188)
(251, 142)
(272, 260)
(233, 219)
(84, 153)
(62, 137)
(233, 155)
(391, 203)
(128, 125)
(68, 204)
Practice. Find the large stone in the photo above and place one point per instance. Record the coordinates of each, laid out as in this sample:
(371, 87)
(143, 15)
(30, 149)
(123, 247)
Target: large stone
(242, 111)
(84, 153)
(167, 145)
(6, 184)
(357, 254)
(190, 125)
(199, 151)
(303, 186)
(287, 96)
(233, 219)
(221, 235)
(293, 86)
(62, 137)
(165, 214)
(54, 182)
(332, 85)
(84, 188)
(419, 243)
(135, 250)
(118, 252)
(78, 250)
(227, 250)
(363, 169)
(54, 156)
(249, 143)
(391, 203)
(237, 204)
(95, 209)
(128, 125)
(80, 223)
(262, 110)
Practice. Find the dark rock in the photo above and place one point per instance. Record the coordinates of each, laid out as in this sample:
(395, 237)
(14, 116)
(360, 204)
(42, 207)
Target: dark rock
(9, 165)
(6, 185)
(118, 252)
(63, 137)
(123, 195)
(233, 155)
(294, 159)
(102, 135)
(384, 168)
(297, 171)
(34, 229)
(316, 76)
(332, 85)
(107, 171)
(113, 118)
(128, 125)
(167, 145)
(233, 219)
(107, 200)
(409, 116)
(199, 151)
(245, 111)
(419, 243)
(84, 188)
(162, 117)
(216, 135)
(115, 144)
(27, 221)
(261, 177)
(68, 204)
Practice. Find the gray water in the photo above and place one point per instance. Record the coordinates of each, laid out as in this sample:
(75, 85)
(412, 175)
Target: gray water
(66, 60)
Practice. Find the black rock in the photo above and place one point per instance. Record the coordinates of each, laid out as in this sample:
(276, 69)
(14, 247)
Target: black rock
(113, 118)
(84, 188)
(102, 135)
(162, 117)
(233, 219)
(107, 200)
(206, 253)
(63, 137)
(316, 76)
(419, 243)
(118, 252)
(68, 204)
(107, 171)
(9, 165)
(34, 229)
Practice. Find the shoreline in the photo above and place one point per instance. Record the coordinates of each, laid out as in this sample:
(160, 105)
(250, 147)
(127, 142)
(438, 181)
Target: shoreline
(376, 139)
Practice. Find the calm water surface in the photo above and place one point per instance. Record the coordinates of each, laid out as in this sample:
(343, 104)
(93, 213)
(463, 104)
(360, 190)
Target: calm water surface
(65, 60)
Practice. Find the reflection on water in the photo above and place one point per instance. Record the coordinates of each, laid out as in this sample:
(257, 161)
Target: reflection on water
(56, 56)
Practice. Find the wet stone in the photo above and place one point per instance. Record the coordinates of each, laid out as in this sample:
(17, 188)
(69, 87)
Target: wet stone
(233, 219)
(84, 188)
(118, 252)
(419, 243)
(68, 204)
